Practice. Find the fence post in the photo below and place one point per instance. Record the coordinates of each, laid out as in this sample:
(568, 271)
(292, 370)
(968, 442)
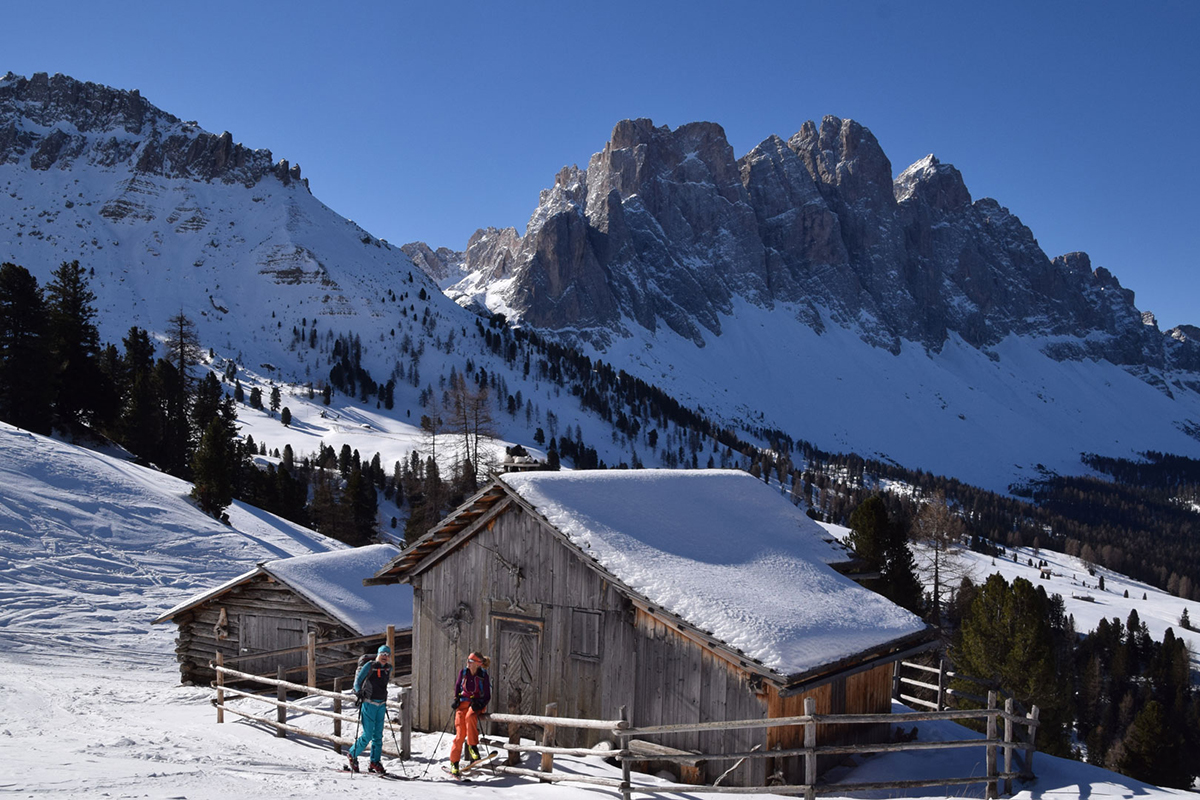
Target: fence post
(337, 709)
(405, 723)
(992, 792)
(312, 659)
(1029, 742)
(810, 744)
(896, 681)
(281, 696)
(626, 770)
(514, 730)
(220, 688)
(548, 739)
(391, 643)
(942, 705)
(1008, 744)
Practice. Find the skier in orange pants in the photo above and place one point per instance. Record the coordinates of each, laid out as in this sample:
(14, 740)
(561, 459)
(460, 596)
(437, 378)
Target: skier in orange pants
(472, 693)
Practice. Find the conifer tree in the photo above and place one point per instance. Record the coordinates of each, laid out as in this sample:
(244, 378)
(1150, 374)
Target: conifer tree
(25, 391)
(884, 546)
(174, 452)
(214, 462)
(361, 508)
(1150, 754)
(75, 342)
(1007, 638)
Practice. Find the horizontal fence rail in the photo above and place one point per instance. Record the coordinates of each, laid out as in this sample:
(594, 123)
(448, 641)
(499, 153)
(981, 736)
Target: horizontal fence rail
(401, 749)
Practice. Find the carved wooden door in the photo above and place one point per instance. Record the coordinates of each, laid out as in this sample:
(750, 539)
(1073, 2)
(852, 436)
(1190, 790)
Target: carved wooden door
(516, 682)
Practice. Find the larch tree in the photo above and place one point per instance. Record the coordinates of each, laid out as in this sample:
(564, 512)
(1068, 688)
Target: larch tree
(940, 532)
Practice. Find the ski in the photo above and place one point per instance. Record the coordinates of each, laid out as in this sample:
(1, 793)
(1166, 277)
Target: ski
(386, 776)
(459, 777)
(479, 762)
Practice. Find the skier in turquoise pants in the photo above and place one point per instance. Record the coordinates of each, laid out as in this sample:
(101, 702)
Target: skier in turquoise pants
(371, 686)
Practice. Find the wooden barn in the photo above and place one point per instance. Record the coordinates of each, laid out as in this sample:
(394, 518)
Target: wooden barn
(275, 605)
(685, 596)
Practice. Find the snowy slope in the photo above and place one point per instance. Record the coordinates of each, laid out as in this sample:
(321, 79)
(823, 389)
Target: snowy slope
(989, 422)
(270, 276)
(1080, 590)
(92, 548)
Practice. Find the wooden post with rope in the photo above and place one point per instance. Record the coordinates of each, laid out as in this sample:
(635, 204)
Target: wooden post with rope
(281, 695)
(220, 688)
(337, 709)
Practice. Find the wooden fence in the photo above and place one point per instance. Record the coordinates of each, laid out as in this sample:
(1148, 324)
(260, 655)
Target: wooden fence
(938, 695)
(995, 743)
(397, 749)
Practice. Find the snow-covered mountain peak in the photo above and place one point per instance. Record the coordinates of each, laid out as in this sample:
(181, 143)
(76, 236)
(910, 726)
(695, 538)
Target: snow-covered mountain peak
(940, 185)
(56, 121)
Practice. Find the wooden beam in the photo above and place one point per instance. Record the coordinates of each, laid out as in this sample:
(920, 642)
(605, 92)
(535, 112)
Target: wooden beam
(460, 537)
(417, 558)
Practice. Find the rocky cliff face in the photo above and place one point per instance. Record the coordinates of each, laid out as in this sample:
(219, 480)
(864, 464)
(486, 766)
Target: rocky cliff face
(55, 122)
(668, 227)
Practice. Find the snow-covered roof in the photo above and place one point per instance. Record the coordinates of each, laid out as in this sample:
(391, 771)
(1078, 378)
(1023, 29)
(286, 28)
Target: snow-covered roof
(333, 582)
(725, 552)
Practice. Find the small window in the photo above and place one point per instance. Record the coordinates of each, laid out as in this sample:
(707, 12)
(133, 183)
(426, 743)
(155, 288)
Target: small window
(585, 633)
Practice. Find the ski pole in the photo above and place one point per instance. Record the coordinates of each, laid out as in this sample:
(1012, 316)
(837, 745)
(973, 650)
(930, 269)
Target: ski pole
(437, 746)
(483, 741)
(397, 746)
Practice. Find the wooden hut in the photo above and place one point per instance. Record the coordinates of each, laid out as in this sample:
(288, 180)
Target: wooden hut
(278, 603)
(685, 596)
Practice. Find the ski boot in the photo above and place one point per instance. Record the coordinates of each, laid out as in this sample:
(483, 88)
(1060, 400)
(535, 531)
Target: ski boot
(472, 753)
(353, 764)
(376, 767)
(454, 770)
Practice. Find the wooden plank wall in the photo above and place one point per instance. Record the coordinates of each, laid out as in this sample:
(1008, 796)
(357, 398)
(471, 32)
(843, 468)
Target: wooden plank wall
(864, 693)
(196, 644)
(516, 570)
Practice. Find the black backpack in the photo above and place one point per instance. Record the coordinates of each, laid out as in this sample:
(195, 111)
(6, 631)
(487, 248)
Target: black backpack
(361, 695)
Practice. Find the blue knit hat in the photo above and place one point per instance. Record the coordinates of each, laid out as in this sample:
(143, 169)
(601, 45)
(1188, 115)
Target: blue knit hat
(383, 648)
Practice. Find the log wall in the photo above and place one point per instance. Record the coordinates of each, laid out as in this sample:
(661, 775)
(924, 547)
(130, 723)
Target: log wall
(197, 642)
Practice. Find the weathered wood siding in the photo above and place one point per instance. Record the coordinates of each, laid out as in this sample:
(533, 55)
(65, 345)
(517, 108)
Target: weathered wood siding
(866, 692)
(263, 615)
(557, 631)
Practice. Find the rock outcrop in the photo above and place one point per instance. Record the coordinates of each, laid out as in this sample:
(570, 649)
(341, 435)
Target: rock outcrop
(55, 121)
(668, 227)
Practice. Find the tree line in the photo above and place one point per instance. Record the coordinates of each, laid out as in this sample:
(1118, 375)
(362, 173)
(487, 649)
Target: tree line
(1113, 697)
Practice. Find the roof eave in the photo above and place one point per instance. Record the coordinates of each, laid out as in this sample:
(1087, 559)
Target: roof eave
(211, 594)
(894, 650)
(412, 559)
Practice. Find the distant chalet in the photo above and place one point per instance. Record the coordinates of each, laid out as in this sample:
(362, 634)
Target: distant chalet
(277, 604)
(683, 595)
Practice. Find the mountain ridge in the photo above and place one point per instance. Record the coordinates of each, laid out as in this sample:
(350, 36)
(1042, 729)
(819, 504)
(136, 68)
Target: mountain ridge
(914, 258)
(274, 279)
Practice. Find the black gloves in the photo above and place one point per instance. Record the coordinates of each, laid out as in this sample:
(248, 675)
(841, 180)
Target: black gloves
(454, 705)
(478, 705)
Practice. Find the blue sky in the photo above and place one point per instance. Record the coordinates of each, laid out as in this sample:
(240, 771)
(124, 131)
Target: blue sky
(429, 120)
